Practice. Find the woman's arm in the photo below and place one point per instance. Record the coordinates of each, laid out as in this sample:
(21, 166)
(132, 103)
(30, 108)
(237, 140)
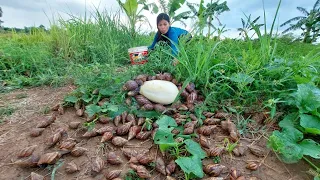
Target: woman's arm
(155, 39)
(173, 36)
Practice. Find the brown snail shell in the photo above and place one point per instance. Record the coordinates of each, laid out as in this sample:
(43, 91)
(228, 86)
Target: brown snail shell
(142, 172)
(35, 176)
(78, 151)
(112, 175)
(71, 168)
(147, 107)
(104, 119)
(117, 120)
(130, 118)
(141, 100)
(80, 112)
(133, 131)
(74, 125)
(190, 87)
(212, 121)
(144, 159)
(234, 174)
(206, 130)
(252, 166)
(143, 135)
(123, 129)
(90, 134)
(106, 136)
(204, 142)
(216, 151)
(171, 167)
(159, 108)
(141, 120)
(119, 141)
(27, 151)
(46, 122)
(160, 166)
(130, 85)
(68, 144)
(124, 116)
(49, 158)
(104, 129)
(208, 114)
(35, 132)
(213, 169)
(142, 77)
(113, 159)
(54, 139)
(31, 161)
(167, 76)
(97, 165)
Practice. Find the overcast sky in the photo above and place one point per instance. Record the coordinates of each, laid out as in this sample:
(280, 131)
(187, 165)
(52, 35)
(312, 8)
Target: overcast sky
(21, 13)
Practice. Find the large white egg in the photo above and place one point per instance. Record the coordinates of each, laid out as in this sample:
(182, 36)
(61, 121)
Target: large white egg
(159, 91)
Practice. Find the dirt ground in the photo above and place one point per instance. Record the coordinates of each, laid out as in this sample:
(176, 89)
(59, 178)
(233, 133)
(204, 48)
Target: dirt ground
(30, 107)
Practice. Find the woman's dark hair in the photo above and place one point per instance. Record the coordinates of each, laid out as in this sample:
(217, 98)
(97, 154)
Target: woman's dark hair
(162, 16)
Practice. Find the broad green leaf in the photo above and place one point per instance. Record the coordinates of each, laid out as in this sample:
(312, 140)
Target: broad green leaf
(289, 121)
(92, 109)
(115, 110)
(86, 98)
(310, 148)
(71, 99)
(164, 147)
(195, 149)
(292, 134)
(107, 92)
(166, 122)
(287, 149)
(163, 136)
(191, 165)
(131, 7)
(242, 78)
(307, 98)
(147, 114)
(112, 107)
(310, 123)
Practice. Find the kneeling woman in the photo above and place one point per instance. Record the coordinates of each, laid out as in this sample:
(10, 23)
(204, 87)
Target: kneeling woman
(165, 31)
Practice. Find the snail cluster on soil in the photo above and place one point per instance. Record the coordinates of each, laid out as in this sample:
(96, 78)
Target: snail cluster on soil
(121, 129)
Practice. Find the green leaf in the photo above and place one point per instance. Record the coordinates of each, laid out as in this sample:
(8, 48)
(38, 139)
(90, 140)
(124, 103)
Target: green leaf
(86, 98)
(107, 92)
(285, 144)
(242, 78)
(115, 110)
(163, 136)
(191, 165)
(92, 109)
(310, 148)
(71, 99)
(166, 122)
(310, 123)
(289, 121)
(131, 7)
(307, 98)
(194, 148)
(112, 107)
(147, 114)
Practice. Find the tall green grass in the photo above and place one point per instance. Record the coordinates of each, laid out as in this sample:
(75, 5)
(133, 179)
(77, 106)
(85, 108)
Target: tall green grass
(83, 49)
